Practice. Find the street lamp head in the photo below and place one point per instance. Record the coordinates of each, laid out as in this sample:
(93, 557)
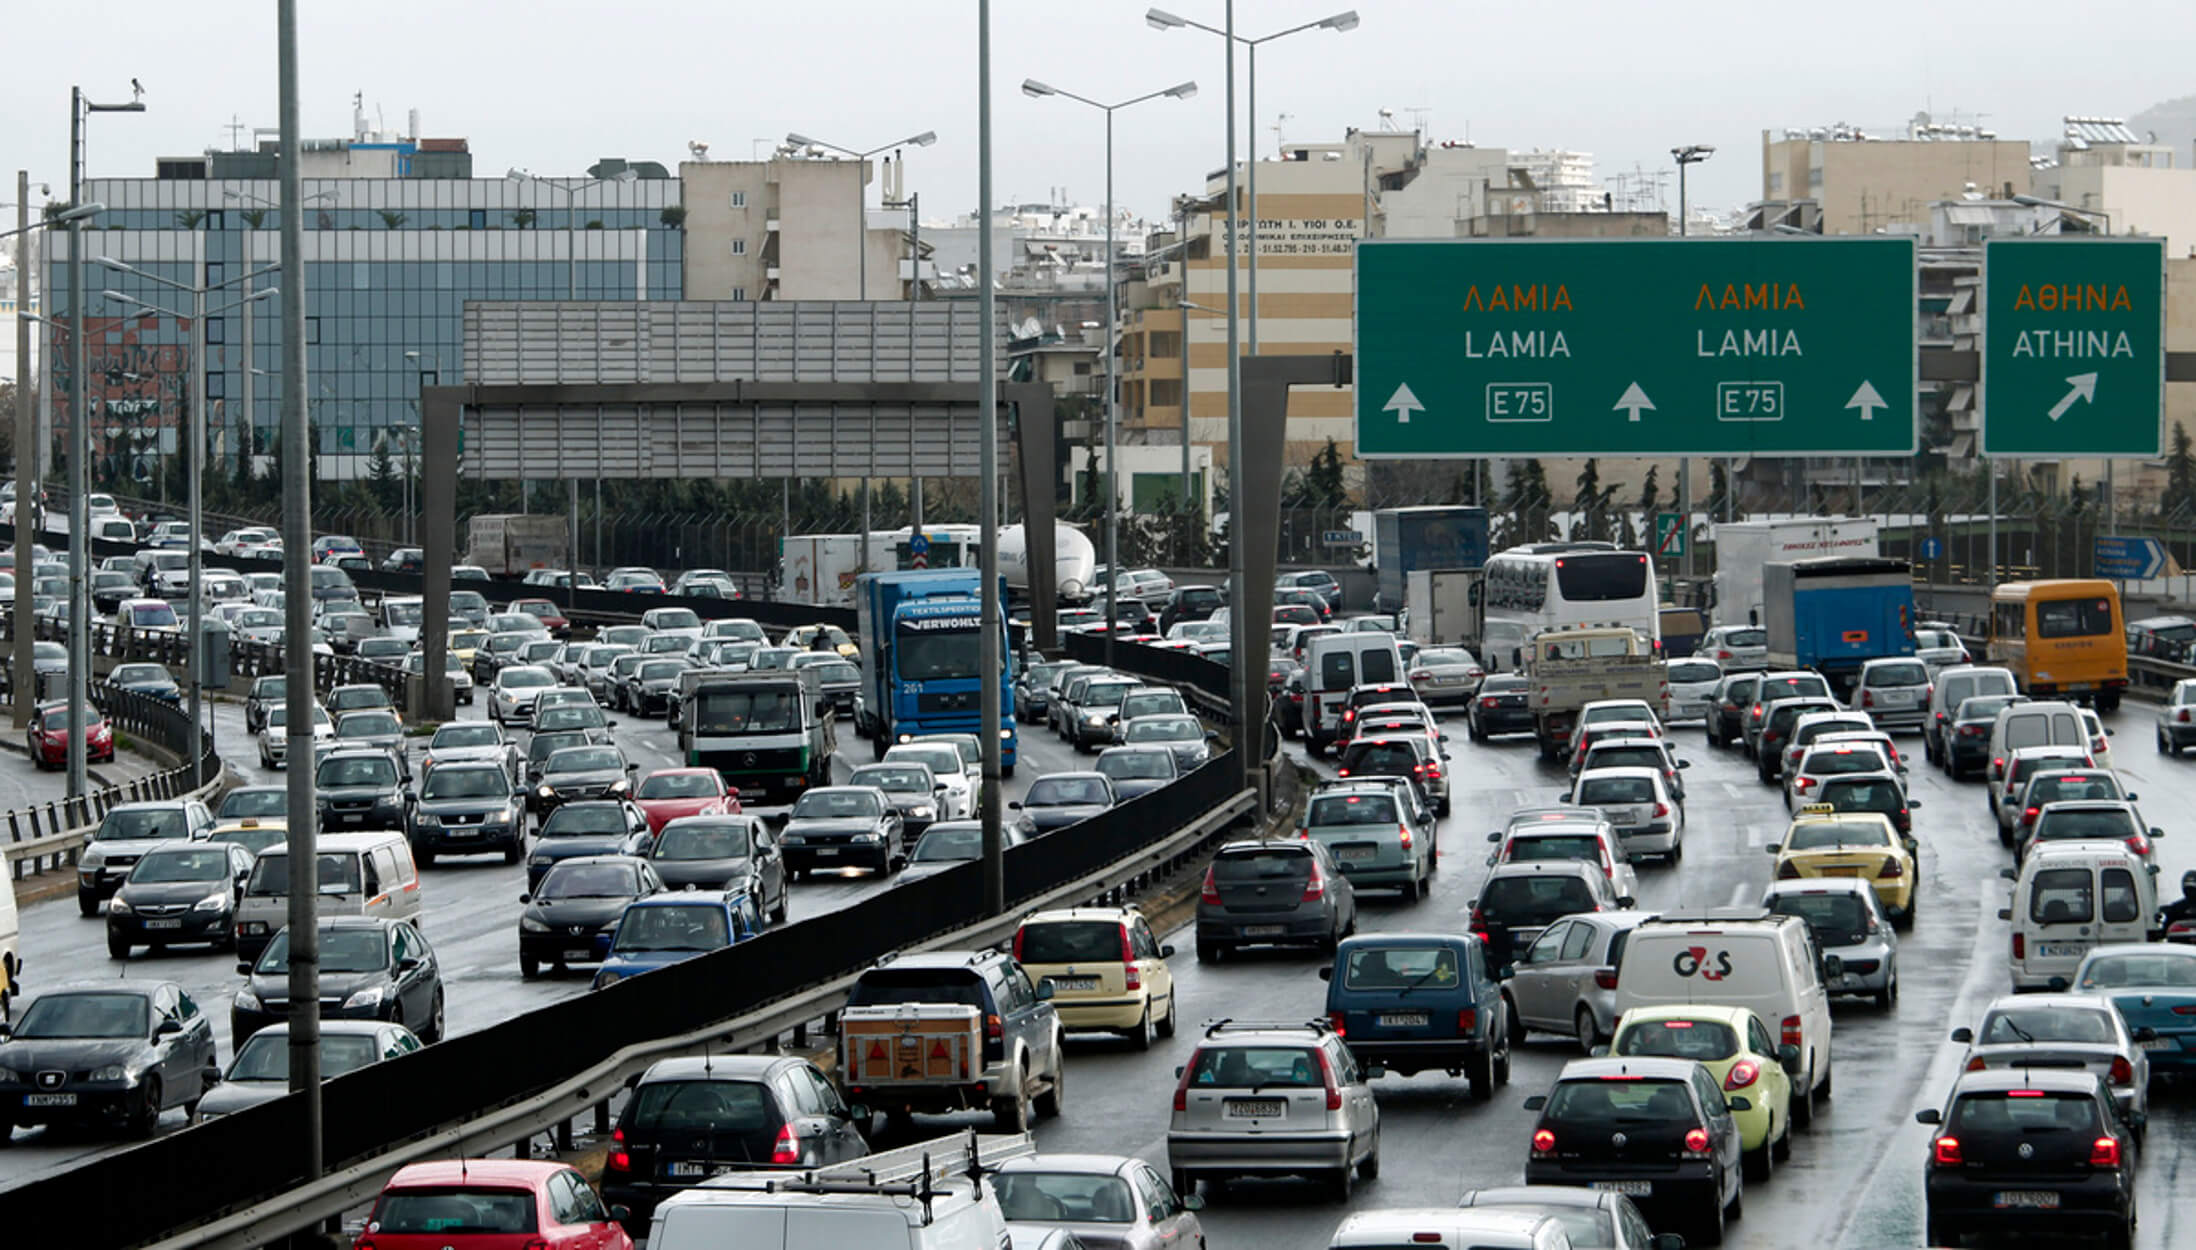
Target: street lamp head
(1341, 21)
(800, 140)
(411, 355)
(80, 212)
(1182, 91)
(925, 139)
(1693, 153)
(111, 263)
(1031, 87)
(1160, 19)
(516, 174)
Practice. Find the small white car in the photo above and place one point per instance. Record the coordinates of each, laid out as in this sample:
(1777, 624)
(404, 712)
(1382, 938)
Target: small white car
(1692, 681)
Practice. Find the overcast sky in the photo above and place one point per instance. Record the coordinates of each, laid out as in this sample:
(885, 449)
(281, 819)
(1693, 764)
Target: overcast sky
(552, 84)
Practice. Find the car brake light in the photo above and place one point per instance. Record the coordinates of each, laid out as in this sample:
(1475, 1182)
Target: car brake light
(1420, 675)
(2020, 946)
(1976, 1064)
(1605, 978)
(1181, 1086)
(2029, 817)
(1743, 1074)
(2181, 716)
(1211, 891)
(619, 1161)
(1544, 1141)
(1017, 946)
(1403, 835)
(1490, 701)
(1338, 1023)
(1662, 809)
(1757, 711)
(1891, 869)
(788, 1146)
(1479, 921)
(1315, 888)
(1467, 1019)
(1134, 975)
(1946, 1151)
(1696, 1142)
(1723, 655)
(1868, 698)
(1792, 1036)
(2104, 1152)
(2122, 1071)
(994, 1028)
(1326, 1076)
(1804, 783)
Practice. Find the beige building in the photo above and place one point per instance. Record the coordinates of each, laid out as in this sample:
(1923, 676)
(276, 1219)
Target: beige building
(1865, 185)
(2122, 183)
(785, 229)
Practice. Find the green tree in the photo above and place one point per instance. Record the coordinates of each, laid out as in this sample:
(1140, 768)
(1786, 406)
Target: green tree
(390, 218)
(254, 217)
(523, 219)
(674, 216)
(1719, 489)
(1322, 479)
(1650, 495)
(1587, 499)
(189, 218)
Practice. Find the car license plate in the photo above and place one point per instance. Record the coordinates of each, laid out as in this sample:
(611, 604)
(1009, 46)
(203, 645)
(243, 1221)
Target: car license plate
(1841, 870)
(163, 924)
(1630, 1189)
(2062, 950)
(464, 831)
(49, 1100)
(1256, 1109)
(1074, 983)
(1403, 1020)
(580, 952)
(2040, 1199)
(1261, 930)
(827, 852)
(1898, 696)
(2162, 1043)
(1349, 853)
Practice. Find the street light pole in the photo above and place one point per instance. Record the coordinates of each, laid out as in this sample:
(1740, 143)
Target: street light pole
(1690, 154)
(1180, 91)
(990, 644)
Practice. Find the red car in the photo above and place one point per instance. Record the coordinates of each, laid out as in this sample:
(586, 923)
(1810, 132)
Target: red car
(491, 1204)
(669, 793)
(49, 736)
(547, 613)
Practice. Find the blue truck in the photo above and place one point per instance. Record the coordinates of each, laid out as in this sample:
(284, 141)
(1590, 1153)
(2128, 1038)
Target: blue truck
(1405, 539)
(1835, 613)
(920, 645)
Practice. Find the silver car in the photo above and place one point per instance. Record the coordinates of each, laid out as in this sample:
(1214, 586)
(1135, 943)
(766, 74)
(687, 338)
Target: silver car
(1589, 838)
(1110, 1200)
(1378, 838)
(1894, 693)
(1938, 648)
(1281, 891)
(1273, 1100)
(1639, 803)
(1848, 921)
(511, 698)
(1692, 680)
(1565, 982)
(2063, 1031)
(1736, 647)
(1185, 736)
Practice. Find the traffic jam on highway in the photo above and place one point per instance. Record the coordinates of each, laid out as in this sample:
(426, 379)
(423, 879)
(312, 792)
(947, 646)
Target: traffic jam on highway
(1533, 962)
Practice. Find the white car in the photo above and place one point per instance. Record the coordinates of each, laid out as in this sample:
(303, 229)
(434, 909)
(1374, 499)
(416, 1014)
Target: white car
(1692, 680)
(2100, 746)
(274, 736)
(511, 699)
(957, 801)
(1938, 648)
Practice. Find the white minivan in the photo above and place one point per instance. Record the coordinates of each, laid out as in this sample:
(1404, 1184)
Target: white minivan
(2036, 723)
(1336, 663)
(2070, 897)
(1740, 957)
(361, 874)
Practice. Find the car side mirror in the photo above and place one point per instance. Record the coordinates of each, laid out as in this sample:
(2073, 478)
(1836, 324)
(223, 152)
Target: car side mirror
(1327, 973)
(6, 1030)
(1833, 965)
(1374, 1071)
(1913, 846)
(1536, 1102)
(526, 898)
(169, 1027)
(243, 967)
(411, 794)
(1505, 972)
(1496, 836)
(620, 1212)
(2156, 832)
(1626, 901)
(2005, 913)
(1964, 1036)
(1669, 1241)
(1015, 806)
(1913, 803)
(1178, 1071)
(1737, 1103)
(1193, 1202)
(407, 964)
(2009, 875)
(1929, 1115)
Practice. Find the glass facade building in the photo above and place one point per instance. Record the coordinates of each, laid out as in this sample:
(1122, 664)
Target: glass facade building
(389, 265)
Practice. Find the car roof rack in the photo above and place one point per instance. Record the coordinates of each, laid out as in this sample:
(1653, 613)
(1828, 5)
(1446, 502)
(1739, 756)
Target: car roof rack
(1229, 1024)
(916, 1171)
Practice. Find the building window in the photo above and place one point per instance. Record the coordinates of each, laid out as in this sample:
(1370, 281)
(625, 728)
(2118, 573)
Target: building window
(214, 273)
(217, 386)
(216, 331)
(312, 331)
(739, 247)
(1776, 183)
(426, 378)
(739, 293)
(214, 220)
(477, 219)
(739, 199)
(361, 276)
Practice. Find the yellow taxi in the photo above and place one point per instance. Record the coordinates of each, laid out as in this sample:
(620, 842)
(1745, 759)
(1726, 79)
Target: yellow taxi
(1825, 842)
(464, 642)
(1107, 970)
(253, 833)
(1740, 1053)
(805, 638)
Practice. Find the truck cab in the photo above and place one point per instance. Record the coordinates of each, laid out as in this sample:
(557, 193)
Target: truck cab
(920, 634)
(771, 730)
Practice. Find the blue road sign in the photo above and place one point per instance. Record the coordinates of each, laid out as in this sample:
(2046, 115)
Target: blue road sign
(1932, 547)
(2124, 559)
(1341, 538)
(918, 544)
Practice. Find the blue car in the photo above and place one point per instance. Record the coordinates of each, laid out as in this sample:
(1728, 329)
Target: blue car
(2153, 984)
(668, 928)
(1416, 1002)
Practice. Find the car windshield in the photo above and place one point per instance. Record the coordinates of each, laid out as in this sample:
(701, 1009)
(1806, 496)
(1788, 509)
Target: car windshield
(1137, 765)
(1070, 942)
(1352, 809)
(1835, 919)
(465, 783)
(1694, 671)
(1164, 729)
(1065, 792)
(772, 710)
(836, 805)
(1400, 967)
(693, 840)
(1809, 835)
(584, 820)
(87, 1014)
(152, 615)
(2106, 972)
(1903, 673)
(1380, 757)
(675, 927)
(674, 618)
(661, 670)
(680, 786)
(585, 760)
(568, 716)
(341, 950)
(357, 771)
(209, 864)
(1644, 755)
(1599, 1104)
(1704, 1040)
(1535, 899)
(2097, 822)
(1240, 867)
(899, 780)
(126, 823)
(1987, 1114)
(1794, 686)
(947, 845)
(570, 880)
(2044, 1024)
(1065, 1197)
(373, 724)
(944, 759)
(1257, 1067)
(266, 1057)
(454, 1210)
(57, 719)
(1863, 796)
(248, 801)
(464, 736)
(140, 674)
(524, 678)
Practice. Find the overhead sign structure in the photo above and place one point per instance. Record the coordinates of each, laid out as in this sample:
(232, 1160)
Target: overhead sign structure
(2073, 360)
(1669, 535)
(2129, 559)
(1579, 347)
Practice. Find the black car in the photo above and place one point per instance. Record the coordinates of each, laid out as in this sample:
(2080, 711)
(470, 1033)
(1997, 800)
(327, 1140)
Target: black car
(838, 681)
(1288, 705)
(115, 1054)
(724, 854)
(543, 745)
(1500, 708)
(151, 680)
(913, 790)
(1063, 799)
(1967, 744)
(405, 560)
(587, 827)
(575, 773)
(371, 968)
(692, 1118)
(1190, 603)
(2030, 1150)
(1728, 704)
(1033, 689)
(467, 809)
(646, 691)
(1871, 792)
(1611, 1121)
(109, 588)
(842, 826)
(182, 892)
(571, 914)
(1136, 770)
(360, 788)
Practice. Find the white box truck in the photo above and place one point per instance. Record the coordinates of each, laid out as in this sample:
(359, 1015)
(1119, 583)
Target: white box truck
(1441, 607)
(1744, 547)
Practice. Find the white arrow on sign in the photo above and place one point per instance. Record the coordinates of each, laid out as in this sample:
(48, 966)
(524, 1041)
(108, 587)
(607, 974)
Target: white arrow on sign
(1633, 402)
(1867, 400)
(1403, 404)
(2085, 389)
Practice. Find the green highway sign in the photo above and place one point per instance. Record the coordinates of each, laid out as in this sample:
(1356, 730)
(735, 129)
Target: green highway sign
(1580, 347)
(2073, 360)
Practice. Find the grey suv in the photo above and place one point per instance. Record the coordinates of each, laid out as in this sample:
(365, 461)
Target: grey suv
(1272, 1099)
(1024, 1054)
(1284, 893)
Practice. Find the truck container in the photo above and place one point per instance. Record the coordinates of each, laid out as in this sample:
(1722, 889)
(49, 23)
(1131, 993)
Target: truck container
(1835, 613)
(1441, 607)
(1744, 547)
(1405, 539)
(509, 544)
(920, 639)
(1570, 668)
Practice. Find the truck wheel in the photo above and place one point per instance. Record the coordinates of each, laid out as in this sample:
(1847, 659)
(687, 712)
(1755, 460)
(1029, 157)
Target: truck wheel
(1010, 1115)
(1007, 771)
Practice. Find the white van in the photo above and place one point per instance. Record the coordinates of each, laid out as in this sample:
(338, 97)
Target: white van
(361, 874)
(861, 1203)
(2037, 723)
(1333, 665)
(2070, 897)
(1739, 957)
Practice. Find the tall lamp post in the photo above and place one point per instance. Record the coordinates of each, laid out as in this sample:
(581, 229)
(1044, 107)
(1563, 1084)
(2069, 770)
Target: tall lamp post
(1160, 19)
(80, 110)
(1689, 155)
(1180, 91)
(194, 461)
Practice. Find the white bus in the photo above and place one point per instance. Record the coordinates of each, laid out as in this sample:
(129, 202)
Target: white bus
(1547, 586)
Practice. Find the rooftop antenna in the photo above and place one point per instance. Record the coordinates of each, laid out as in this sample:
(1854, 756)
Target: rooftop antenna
(1278, 122)
(235, 127)
(1418, 114)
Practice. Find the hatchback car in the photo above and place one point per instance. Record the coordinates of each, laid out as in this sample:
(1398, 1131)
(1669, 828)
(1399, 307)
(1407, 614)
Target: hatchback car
(260, 1072)
(1693, 682)
(1415, 756)
(1107, 969)
(1180, 733)
(1058, 800)
(1443, 676)
(576, 774)
(126, 833)
(1825, 760)
(1521, 899)
(1137, 770)
(1499, 708)
(1736, 647)
(1783, 684)
(842, 827)
(2031, 1150)
(1848, 920)
(125, 1052)
(1728, 704)
(723, 853)
(1416, 1002)
(665, 929)
(370, 969)
(1109, 1200)
(1273, 1100)
(572, 912)
(478, 1203)
(1737, 1049)
(1377, 838)
(1273, 892)
(1659, 1131)
(47, 738)
(179, 892)
(1882, 793)
(2176, 728)
(587, 827)
(2091, 821)
(1966, 738)
(2065, 1030)
(1895, 692)
(1565, 982)
(1642, 806)
(1586, 837)
(1775, 731)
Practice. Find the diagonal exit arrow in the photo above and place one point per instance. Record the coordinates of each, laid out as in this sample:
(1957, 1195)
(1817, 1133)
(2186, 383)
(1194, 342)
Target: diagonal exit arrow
(2084, 388)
